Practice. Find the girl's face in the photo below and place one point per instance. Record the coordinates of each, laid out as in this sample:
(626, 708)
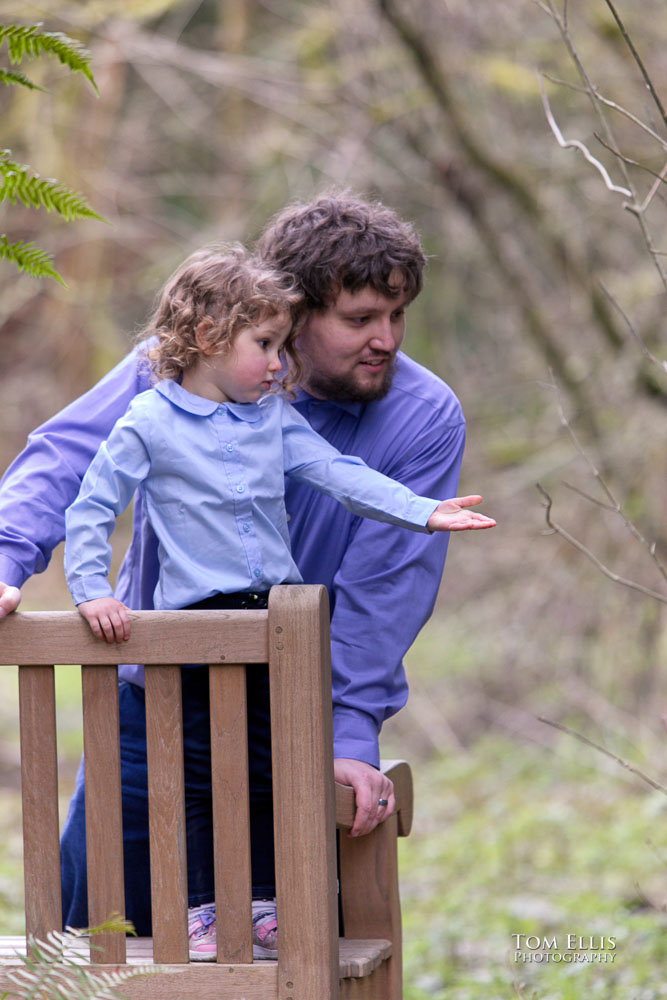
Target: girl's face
(246, 370)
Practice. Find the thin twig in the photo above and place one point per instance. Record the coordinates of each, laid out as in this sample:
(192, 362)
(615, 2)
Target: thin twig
(615, 505)
(596, 746)
(614, 577)
(587, 496)
(629, 115)
(660, 364)
(635, 55)
(661, 177)
(574, 143)
(597, 102)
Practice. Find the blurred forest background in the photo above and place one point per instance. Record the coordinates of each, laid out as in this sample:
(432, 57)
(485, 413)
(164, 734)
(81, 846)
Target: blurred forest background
(544, 309)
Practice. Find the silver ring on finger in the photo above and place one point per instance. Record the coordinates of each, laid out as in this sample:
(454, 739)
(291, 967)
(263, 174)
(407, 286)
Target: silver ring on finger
(383, 802)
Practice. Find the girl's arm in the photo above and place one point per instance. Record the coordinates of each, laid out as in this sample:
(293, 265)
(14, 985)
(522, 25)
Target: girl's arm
(121, 464)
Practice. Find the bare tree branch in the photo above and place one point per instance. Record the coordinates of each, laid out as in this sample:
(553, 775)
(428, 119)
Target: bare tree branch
(597, 102)
(662, 365)
(635, 55)
(596, 746)
(614, 577)
(508, 179)
(614, 504)
(574, 143)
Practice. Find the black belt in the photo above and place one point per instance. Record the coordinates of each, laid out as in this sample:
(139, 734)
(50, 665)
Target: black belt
(245, 600)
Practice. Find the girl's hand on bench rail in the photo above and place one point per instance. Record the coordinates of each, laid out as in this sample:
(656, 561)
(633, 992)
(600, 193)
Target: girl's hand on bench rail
(10, 598)
(108, 618)
(453, 515)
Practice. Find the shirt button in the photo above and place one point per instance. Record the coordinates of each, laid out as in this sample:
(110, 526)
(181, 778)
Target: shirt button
(240, 489)
(246, 527)
(221, 410)
(230, 447)
(257, 572)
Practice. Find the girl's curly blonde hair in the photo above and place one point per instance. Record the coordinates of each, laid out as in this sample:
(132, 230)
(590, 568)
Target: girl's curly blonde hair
(209, 299)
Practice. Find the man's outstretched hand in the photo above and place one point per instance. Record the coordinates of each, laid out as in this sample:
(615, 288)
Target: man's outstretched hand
(10, 598)
(454, 515)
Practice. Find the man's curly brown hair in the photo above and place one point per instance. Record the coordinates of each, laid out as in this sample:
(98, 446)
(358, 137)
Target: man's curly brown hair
(209, 299)
(341, 241)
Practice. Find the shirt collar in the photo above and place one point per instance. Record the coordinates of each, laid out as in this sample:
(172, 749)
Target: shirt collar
(201, 406)
(303, 397)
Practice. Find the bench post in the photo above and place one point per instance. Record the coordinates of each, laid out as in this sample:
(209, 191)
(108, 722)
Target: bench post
(303, 793)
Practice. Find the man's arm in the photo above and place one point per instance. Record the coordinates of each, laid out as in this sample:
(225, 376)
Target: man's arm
(43, 481)
(382, 595)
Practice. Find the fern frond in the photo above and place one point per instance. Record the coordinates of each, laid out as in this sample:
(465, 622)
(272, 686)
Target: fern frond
(13, 76)
(53, 968)
(18, 182)
(29, 258)
(29, 42)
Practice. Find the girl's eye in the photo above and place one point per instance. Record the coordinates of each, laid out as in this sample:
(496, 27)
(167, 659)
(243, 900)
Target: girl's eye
(264, 344)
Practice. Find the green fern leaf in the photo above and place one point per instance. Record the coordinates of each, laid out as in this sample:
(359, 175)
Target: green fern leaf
(12, 76)
(29, 258)
(17, 183)
(28, 42)
(53, 969)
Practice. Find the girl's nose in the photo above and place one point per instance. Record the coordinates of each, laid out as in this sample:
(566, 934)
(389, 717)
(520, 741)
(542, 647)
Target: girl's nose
(275, 364)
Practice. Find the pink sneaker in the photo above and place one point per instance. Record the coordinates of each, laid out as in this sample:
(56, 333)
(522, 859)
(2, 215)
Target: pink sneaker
(201, 931)
(264, 929)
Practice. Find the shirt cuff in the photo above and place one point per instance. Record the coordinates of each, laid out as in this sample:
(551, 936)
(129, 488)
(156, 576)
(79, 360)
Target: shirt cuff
(11, 573)
(355, 736)
(89, 589)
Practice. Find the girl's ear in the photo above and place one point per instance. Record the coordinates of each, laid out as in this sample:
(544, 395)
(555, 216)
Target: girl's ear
(201, 336)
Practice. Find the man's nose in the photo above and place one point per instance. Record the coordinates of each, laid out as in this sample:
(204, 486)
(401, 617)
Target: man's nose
(383, 336)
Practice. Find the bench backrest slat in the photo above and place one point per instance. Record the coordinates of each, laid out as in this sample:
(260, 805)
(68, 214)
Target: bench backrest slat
(166, 813)
(39, 790)
(104, 823)
(231, 815)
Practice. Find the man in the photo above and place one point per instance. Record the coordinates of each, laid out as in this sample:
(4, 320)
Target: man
(359, 267)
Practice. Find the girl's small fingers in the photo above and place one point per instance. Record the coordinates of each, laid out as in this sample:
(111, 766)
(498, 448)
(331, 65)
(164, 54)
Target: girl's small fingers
(108, 629)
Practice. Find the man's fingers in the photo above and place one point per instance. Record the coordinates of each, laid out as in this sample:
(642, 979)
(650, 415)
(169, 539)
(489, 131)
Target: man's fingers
(375, 801)
(10, 598)
(470, 501)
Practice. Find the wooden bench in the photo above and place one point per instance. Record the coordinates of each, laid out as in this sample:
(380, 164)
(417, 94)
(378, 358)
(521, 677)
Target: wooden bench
(293, 638)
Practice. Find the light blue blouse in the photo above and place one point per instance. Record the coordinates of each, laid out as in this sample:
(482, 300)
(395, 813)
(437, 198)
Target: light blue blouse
(212, 481)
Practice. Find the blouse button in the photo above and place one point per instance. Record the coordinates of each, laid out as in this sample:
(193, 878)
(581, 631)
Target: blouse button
(240, 489)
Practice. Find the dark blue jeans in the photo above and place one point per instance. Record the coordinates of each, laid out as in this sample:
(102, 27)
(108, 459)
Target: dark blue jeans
(196, 745)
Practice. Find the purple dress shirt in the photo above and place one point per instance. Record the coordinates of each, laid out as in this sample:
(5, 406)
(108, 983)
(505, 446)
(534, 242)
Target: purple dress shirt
(382, 580)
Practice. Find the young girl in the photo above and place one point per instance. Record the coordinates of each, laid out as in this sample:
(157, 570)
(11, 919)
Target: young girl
(209, 446)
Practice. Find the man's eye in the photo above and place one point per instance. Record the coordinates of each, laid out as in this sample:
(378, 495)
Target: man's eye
(399, 314)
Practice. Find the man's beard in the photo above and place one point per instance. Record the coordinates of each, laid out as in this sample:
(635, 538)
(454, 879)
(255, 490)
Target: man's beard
(344, 388)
